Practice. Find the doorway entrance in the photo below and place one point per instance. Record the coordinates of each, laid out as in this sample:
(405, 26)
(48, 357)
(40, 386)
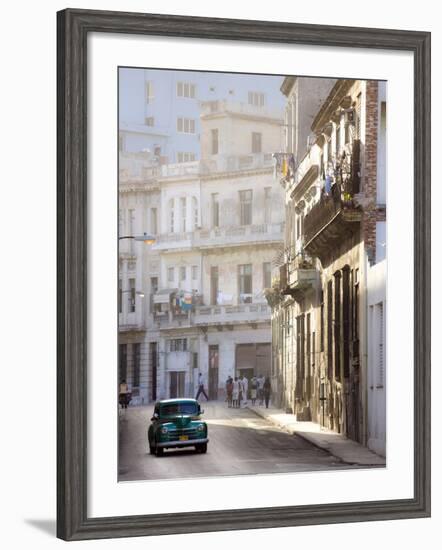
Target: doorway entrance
(213, 371)
(177, 384)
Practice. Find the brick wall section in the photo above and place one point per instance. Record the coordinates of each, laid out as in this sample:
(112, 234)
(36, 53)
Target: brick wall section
(371, 213)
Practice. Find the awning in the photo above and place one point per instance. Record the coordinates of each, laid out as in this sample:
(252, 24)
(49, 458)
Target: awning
(163, 295)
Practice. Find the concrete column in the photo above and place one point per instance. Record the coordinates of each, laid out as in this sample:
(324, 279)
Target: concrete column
(125, 288)
(189, 214)
(162, 390)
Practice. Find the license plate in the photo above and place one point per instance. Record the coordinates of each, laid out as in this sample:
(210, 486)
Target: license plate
(184, 437)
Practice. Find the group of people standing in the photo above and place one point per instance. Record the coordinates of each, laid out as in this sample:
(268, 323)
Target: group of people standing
(237, 390)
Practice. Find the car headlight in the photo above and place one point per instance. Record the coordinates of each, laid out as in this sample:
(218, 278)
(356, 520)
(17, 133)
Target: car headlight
(164, 430)
(200, 427)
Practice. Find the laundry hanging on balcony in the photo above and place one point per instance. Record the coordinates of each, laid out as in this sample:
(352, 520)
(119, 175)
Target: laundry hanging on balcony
(284, 165)
(328, 184)
(186, 301)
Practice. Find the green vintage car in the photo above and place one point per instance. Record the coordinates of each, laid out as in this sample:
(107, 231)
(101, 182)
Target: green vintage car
(177, 423)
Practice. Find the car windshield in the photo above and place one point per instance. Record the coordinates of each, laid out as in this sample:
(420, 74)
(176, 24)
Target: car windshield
(171, 409)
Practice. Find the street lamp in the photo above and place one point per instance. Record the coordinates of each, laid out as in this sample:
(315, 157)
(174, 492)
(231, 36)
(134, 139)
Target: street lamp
(145, 238)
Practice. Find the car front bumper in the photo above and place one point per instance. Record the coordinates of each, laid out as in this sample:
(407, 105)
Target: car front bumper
(181, 443)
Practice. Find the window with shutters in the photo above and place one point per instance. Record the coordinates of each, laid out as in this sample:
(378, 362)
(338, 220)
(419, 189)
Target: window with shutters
(267, 274)
(178, 344)
(380, 339)
(132, 296)
(358, 117)
(256, 98)
(215, 209)
(121, 220)
(149, 96)
(185, 156)
(213, 285)
(136, 348)
(337, 326)
(186, 90)
(214, 134)
(153, 291)
(122, 362)
(330, 329)
(245, 283)
(245, 202)
(154, 221)
(185, 125)
(131, 221)
(267, 205)
(195, 212)
(256, 142)
(171, 216)
(346, 313)
(183, 212)
(308, 344)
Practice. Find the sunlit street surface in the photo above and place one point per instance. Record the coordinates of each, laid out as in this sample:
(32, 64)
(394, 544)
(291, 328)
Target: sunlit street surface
(240, 443)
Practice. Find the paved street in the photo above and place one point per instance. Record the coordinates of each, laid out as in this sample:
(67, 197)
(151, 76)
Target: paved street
(240, 443)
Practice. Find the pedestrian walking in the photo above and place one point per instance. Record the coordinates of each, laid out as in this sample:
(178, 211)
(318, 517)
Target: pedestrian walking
(235, 393)
(261, 381)
(229, 391)
(201, 389)
(253, 389)
(124, 395)
(267, 391)
(245, 389)
(241, 390)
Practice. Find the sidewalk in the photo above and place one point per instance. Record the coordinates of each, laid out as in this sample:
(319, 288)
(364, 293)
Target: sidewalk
(336, 444)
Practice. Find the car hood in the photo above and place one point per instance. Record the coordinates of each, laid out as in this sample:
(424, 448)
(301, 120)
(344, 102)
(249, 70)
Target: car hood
(180, 420)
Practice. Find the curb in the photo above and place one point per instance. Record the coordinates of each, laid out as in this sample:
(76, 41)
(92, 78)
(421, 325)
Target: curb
(312, 440)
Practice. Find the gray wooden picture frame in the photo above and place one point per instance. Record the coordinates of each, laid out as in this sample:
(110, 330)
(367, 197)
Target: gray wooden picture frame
(73, 28)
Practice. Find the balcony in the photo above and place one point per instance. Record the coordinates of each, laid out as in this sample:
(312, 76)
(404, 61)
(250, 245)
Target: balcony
(180, 169)
(236, 163)
(232, 315)
(302, 279)
(219, 107)
(131, 327)
(329, 223)
(168, 320)
(239, 235)
(297, 278)
(137, 168)
(174, 241)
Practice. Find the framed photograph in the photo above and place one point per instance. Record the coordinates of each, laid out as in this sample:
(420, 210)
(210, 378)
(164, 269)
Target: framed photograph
(243, 274)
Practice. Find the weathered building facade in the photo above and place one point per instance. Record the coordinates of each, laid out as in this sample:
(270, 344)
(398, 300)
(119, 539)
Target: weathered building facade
(194, 300)
(335, 211)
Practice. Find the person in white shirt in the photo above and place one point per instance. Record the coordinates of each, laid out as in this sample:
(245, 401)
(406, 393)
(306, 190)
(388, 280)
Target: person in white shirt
(201, 389)
(235, 392)
(245, 389)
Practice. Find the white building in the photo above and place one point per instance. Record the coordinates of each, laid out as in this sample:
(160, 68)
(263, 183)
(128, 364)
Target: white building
(218, 222)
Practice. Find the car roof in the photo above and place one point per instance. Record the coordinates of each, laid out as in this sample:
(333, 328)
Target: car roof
(178, 400)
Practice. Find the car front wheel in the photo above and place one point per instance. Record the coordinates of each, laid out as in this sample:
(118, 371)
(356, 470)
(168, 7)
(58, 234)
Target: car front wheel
(202, 448)
(159, 451)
